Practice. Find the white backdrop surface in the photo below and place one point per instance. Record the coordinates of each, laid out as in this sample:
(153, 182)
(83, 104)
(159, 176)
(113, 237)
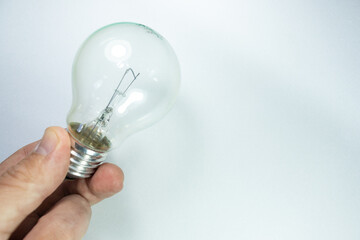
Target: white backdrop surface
(263, 142)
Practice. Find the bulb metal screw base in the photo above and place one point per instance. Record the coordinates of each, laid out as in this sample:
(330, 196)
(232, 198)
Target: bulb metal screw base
(83, 161)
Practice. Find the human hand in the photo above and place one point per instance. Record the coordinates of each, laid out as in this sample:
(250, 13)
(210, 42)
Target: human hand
(35, 200)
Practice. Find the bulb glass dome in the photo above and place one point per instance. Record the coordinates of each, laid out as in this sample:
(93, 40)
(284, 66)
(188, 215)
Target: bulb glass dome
(125, 77)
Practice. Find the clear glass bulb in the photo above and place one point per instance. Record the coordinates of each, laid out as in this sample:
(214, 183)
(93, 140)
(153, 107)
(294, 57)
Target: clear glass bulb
(125, 77)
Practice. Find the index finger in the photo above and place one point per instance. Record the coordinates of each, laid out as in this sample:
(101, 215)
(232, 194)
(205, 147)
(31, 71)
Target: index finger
(25, 185)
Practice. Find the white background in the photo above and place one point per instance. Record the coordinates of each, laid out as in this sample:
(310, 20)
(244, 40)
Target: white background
(263, 142)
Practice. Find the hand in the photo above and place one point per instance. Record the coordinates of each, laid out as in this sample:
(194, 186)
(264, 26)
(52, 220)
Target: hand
(36, 202)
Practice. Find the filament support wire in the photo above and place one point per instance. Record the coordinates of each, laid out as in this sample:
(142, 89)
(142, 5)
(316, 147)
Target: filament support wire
(83, 160)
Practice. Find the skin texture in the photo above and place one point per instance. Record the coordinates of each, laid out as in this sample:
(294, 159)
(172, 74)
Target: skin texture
(35, 200)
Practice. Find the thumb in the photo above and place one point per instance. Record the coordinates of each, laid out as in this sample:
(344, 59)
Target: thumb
(24, 186)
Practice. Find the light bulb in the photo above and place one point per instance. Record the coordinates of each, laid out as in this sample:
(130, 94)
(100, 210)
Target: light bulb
(125, 78)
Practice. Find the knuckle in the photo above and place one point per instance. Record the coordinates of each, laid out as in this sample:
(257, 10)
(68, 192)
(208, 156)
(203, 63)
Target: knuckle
(72, 212)
(57, 229)
(25, 151)
(80, 206)
(27, 171)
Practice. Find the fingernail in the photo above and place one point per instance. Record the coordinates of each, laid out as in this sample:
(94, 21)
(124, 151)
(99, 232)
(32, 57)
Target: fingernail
(47, 143)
